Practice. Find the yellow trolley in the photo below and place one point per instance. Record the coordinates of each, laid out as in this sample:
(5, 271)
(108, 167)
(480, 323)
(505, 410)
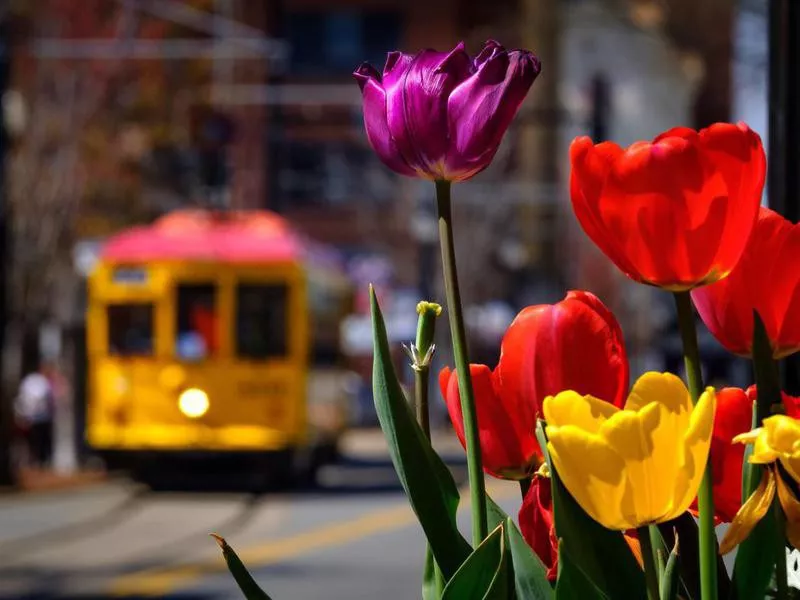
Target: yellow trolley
(202, 334)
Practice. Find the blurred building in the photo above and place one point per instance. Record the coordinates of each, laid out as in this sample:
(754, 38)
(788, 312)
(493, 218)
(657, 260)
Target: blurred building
(136, 108)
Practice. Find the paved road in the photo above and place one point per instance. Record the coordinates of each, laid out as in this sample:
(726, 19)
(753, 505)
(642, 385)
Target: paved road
(351, 537)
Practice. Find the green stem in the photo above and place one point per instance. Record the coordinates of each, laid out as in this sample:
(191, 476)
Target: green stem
(650, 570)
(458, 333)
(421, 395)
(781, 576)
(705, 497)
(524, 486)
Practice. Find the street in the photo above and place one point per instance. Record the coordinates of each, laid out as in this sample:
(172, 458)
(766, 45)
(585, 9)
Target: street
(351, 536)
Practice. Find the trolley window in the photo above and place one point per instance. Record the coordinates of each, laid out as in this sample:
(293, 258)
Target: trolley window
(261, 328)
(130, 329)
(196, 321)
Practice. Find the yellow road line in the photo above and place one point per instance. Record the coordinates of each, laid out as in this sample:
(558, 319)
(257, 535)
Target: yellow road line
(158, 582)
(161, 581)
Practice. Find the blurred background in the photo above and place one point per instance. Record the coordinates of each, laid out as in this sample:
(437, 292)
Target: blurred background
(139, 133)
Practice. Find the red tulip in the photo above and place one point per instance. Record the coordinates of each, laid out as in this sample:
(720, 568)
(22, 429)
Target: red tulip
(537, 525)
(733, 416)
(675, 213)
(538, 359)
(767, 280)
(791, 404)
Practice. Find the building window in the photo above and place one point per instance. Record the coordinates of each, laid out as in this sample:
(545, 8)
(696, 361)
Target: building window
(333, 42)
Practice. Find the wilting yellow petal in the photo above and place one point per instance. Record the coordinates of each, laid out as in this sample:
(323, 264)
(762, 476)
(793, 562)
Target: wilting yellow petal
(571, 408)
(694, 454)
(751, 513)
(591, 471)
(791, 508)
(649, 466)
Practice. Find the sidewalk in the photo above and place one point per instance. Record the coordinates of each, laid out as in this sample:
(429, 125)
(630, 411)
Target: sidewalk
(45, 480)
(371, 443)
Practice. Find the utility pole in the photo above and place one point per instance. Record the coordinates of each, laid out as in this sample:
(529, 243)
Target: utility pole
(6, 413)
(783, 175)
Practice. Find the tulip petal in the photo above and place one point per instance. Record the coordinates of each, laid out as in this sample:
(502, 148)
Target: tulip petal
(733, 417)
(665, 202)
(375, 122)
(666, 389)
(592, 472)
(570, 408)
(417, 107)
(649, 462)
(750, 514)
(766, 279)
(590, 168)
(482, 107)
(508, 444)
(675, 213)
(791, 508)
(738, 154)
(538, 350)
(693, 456)
(536, 524)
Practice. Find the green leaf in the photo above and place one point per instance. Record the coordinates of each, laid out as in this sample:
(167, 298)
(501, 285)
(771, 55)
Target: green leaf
(754, 567)
(573, 582)
(670, 581)
(530, 574)
(484, 575)
(427, 481)
(602, 555)
(494, 514)
(755, 562)
(432, 580)
(243, 578)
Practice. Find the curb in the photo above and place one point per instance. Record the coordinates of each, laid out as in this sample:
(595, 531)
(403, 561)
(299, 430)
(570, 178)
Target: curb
(36, 481)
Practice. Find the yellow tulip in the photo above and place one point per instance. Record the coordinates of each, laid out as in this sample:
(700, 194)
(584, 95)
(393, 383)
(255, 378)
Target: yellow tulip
(778, 439)
(634, 466)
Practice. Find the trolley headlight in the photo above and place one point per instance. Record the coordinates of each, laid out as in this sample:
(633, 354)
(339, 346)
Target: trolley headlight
(193, 403)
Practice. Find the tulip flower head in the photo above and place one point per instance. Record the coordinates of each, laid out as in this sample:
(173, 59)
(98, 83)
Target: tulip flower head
(537, 359)
(537, 524)
(636, 466)
(778, 440)
(675, 213)
(734, 416)
(766, 280)
(442, 115)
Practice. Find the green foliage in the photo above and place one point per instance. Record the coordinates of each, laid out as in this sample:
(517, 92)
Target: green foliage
(244, 580)
(426, 480)
(755, 563)
(432, 580)
(670, 580)
(484, 575)
(529, 574)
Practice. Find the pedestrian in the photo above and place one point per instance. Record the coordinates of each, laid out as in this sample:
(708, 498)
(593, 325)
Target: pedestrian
(33, 408)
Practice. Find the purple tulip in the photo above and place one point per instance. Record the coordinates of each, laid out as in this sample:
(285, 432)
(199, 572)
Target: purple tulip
(442, 115)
